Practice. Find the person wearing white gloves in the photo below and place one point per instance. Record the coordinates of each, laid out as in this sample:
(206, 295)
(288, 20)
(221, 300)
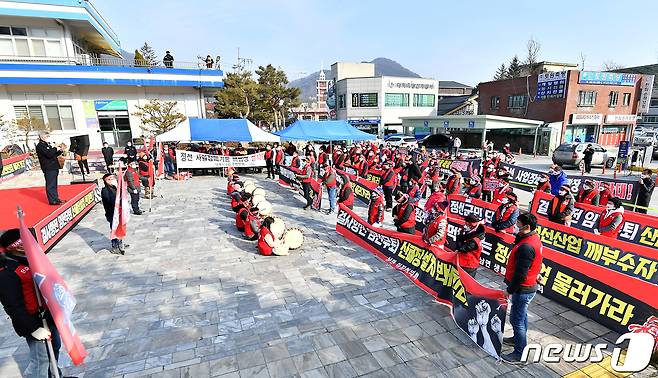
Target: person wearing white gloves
(18, 297)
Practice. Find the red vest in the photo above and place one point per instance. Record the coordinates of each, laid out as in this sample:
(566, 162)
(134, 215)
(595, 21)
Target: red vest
(229, 188)
(279, 156)
(295, 162)
(604, 196)
(136, 181)
(374, 213)
(586, 199)
(308, 170)
(391, 181)
(411, 222)
(500, 215)
(349, 202)
(239, 223)
(328, 172)
(544, 187)
(473, 191)
(234, 202)
(453, 185)
(248, 232)
(535, 267)
(322, 157)
(554, 204)
(413, 191)
(500, 193)
(433, 228)
(264, 248)
(269, 154)
(27, 285)
(606, 220)
(471, 259)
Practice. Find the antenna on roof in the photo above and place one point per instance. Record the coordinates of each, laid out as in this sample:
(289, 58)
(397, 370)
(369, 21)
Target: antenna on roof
(242, 63)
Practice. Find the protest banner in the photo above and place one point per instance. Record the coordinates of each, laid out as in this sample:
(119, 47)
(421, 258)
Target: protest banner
(190, 160)
(14, 166)
(526, 179)
(288, 178)
(639, 229)
(478, 311)
(361, 187)
(603, 280)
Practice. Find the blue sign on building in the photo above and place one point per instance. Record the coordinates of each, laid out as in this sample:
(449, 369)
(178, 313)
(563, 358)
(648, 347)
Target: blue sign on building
(446, 124)
(471, 124)
(609, 78)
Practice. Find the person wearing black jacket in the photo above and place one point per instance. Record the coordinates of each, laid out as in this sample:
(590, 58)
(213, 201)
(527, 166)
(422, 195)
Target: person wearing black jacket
(108, 156)
(404, 214)
(19, 299)
(646, 190)
(47, 155)
(469, 244)
(108, 197)
(587, 158)
(130, 151)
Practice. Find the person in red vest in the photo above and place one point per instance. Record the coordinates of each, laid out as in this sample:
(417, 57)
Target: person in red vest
(237, 196)
(560, 209)
(305, 177)
(19, 299)
(436, 231)
(413, 191)
(266, 240)
(605, 194)
(434, 173)
(145, 174)
(132, 179)
(505, 216)
(329, 180)
(242, 212)
(345, 195)
(437, 196)
(522, 276)
(252, 224)
(489, 173)
(388, 183)
(278, 159)
(473, 188)
(543, 185)
(611, 219)
(363, 167)
(295, 162)
(588, 194)
(469, 244)
(404, 214)
(376, 208)
(269, 161)
(502, 190)
(454, 183)
(230, 186)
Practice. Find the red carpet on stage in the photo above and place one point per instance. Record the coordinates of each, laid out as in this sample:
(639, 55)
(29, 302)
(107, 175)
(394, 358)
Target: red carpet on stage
(48, 223)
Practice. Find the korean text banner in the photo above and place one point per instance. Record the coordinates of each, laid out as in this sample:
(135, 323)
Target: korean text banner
(361, 187)
(638, 229)
(467, 167)
(189, 159)
(604, 294)
(288, 178)
(527, 179)
(14, 166)
(477, 310)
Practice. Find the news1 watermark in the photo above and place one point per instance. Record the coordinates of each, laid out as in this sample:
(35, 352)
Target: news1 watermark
(638, 353)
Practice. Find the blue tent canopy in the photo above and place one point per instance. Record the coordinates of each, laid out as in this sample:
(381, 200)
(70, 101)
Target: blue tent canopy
(323, 131)
(217, 130)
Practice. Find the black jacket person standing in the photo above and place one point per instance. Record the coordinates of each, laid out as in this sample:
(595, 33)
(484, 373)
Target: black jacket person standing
(646, 190)
(108, 156)
(47, 155)
(587, 158)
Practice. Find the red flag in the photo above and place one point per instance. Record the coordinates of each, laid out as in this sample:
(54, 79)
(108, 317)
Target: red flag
(151, 144)
(151, 174)
(55, 292)
(121, 208)
(160, 160)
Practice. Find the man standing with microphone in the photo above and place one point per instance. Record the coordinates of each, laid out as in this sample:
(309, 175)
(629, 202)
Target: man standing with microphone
(47, 155)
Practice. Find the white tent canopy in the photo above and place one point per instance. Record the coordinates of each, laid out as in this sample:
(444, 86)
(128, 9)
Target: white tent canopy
(217, 130)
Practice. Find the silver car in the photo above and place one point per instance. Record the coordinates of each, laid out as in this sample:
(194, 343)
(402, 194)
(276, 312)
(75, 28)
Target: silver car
(571, 154)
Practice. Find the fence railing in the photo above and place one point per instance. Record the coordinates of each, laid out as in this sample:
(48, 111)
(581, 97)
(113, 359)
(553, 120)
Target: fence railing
(86, 60)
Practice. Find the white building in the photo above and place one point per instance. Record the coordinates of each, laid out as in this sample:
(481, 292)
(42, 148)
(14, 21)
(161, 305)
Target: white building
(61, 63)
(377, 103)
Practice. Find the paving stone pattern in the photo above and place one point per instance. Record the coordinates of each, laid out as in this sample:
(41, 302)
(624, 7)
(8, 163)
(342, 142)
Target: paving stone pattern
(192, 299)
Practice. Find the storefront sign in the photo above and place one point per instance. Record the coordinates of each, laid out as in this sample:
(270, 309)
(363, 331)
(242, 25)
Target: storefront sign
(622, 119)
(111, 104)
(607, 78)
(14, 166)
(586, 119)
(190, 159)
(410, 85)
(645, 95)
(477, 310)
(551, 85)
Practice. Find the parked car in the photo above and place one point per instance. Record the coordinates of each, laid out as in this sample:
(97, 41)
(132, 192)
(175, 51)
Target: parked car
(571, 154)
(436, 142)
(645, 138)
(403, 141)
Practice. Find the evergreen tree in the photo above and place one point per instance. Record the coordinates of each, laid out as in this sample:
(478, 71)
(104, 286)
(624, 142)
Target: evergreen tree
(149, 55)
(514, 69)
(139, 59)
(238, 98)
(501, 73)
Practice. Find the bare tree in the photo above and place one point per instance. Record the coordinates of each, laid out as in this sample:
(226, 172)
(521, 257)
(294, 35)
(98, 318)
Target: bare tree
(582, 61)
(27, 126)
(532, 57)
(610, 65)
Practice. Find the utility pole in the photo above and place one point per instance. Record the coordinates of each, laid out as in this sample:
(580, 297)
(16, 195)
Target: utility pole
(242, 63)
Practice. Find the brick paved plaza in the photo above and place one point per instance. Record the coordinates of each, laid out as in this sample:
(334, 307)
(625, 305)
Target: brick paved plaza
(192, 299)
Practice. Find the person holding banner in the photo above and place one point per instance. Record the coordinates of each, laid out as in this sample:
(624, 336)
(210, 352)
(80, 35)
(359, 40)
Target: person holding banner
(376, 208)
(19, 299)
(505, 216)
(502, 190)
(278, 160)
(469, 244)
(404, 214)
(605, 194)
(522, 276)
(560, 209)
(345, 195)
(588, 194)
(436, 231)
(557, 178)
(473, 188)
(108, 197)
(454, 182)
(611, 219)
(269, 162)
(543, 185)
(295, 162)
(305, 177)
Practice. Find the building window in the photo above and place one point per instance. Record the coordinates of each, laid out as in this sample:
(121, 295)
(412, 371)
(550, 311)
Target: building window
(516, 101)
(650, 119)
(33, 41)
(627, 99)
(653, 103)
(56, 117)
(495, 102)
(341, 101)
(614, 97)
(364, 100)
(396, 99)
(424, 100)
(586, 98)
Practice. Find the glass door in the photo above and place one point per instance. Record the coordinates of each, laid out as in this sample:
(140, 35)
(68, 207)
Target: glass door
(115, 131)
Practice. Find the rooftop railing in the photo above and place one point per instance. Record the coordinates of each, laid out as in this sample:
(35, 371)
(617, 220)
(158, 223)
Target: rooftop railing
(86, 60)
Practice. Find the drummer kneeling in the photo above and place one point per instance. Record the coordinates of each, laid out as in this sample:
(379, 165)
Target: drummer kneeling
(268, 245)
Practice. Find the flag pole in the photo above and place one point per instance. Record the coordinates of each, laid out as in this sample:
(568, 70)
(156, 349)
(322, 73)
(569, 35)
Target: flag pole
(54, 370)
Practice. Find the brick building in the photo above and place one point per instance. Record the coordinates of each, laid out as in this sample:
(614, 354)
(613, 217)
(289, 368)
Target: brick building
(592, 106)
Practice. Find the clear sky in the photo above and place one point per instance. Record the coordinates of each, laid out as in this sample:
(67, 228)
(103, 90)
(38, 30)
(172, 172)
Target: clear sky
(449, 40)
